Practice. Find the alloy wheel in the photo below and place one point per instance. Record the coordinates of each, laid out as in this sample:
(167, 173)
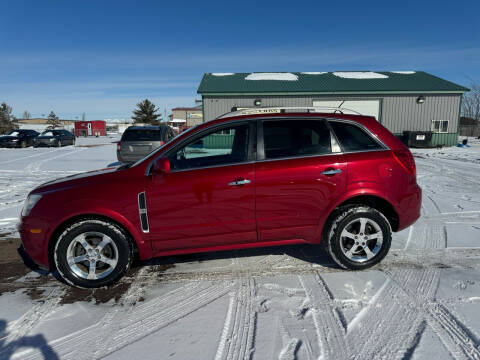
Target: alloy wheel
(361, 239)
(92, 255)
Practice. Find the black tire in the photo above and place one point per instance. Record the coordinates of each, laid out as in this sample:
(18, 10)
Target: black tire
(23, 144)
(59, 143)
(336, 245)
(121, 247)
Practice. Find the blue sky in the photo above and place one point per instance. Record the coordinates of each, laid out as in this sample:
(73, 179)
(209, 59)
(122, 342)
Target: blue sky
(102, 57)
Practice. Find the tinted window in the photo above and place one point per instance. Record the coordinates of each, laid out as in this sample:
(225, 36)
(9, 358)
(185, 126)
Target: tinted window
(352, 138)
(49, 133)
(142, 135)
(169, 135)
(296, 138)
(214, 148)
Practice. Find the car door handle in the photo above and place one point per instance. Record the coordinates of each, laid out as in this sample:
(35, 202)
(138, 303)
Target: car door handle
(330, 172)
(239, 182)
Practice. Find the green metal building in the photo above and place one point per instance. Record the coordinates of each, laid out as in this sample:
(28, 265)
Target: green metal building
(402, 100)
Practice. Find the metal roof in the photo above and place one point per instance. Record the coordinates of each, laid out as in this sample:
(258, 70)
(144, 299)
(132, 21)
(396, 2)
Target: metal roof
(328, 83)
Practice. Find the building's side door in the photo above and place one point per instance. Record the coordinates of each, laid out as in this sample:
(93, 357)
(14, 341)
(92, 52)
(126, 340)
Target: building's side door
(299, 173)
(208, 197)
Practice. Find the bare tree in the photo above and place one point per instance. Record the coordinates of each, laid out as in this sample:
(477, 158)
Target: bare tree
(471, 103)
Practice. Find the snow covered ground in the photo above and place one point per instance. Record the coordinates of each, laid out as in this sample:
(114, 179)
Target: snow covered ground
(422, 302)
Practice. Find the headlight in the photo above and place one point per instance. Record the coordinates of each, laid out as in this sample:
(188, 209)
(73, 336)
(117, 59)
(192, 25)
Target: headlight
(30, 203)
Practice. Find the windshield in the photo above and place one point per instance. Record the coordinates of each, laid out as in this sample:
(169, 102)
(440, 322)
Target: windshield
(161, 147)
(47, 133)
(14, 133)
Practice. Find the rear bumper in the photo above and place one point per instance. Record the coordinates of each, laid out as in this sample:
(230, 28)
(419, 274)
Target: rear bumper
(128, 159)
(409, 207)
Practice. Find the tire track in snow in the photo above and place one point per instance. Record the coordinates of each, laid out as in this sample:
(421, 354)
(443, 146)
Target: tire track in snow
(121, 327)
(137, 327)
(384, 317)
(404, 328)
(30, 156)
(35, 166)
(237, 339)
(392, 319)
(454, 335)
(132, 295)
(22, 326)
(329, 328)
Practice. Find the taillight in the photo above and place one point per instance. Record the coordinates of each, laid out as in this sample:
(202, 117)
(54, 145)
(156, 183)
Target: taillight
(162, 143)
(119, 146)
(406, 161)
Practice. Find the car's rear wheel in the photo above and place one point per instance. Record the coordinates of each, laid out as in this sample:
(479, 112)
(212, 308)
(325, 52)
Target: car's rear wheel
(92, 253)
(23, 144)
(359, 237)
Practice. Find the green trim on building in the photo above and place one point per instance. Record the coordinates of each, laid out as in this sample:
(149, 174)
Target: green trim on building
(333, 93)
(328, 83)
(445, 139)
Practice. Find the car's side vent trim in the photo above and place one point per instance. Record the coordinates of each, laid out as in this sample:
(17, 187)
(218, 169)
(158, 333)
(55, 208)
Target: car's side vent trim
(142, 209)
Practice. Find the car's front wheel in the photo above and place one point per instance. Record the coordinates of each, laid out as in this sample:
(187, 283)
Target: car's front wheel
(359, 237)
(92, 253)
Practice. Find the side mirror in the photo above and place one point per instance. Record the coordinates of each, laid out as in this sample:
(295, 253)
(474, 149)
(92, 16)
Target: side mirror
(161, 165)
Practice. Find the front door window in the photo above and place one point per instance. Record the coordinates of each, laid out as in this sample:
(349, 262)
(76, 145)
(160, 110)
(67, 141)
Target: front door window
(220, 147)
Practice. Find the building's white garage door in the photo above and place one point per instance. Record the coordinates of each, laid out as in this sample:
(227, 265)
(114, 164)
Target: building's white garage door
(364, 107)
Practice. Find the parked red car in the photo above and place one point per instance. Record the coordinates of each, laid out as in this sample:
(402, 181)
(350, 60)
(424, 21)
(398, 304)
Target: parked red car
(236, 182)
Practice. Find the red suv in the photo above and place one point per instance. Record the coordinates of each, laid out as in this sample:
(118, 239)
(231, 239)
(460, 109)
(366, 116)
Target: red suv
(236, 182)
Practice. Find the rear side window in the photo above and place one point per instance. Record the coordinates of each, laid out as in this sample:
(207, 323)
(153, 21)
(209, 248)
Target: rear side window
(289, 138)
(141, 135)
(352, 138)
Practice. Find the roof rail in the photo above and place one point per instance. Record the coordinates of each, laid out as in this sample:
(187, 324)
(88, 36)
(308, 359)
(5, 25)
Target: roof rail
(281, 109)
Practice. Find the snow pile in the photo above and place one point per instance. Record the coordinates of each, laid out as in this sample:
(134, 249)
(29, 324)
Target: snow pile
(314, 72)
(403, 72)
(359, 75)
(222, 74)
(272, 76)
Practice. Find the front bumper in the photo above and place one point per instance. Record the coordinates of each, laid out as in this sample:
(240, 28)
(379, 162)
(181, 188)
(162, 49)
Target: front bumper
(45, 143)
(35, 243)
(10, 144)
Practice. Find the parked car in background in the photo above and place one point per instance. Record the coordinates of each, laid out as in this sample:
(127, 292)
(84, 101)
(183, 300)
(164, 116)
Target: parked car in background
(237, 182)
(18, 138)
(55, 137)
(138, 141)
